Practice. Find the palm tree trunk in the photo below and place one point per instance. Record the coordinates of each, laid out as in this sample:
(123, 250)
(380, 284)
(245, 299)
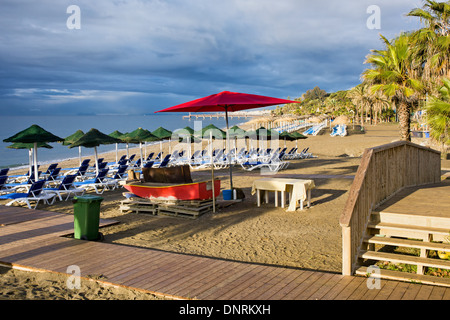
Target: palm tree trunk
(404, 120)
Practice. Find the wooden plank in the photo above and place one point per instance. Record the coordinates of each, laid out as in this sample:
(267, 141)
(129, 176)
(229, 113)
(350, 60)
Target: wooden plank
(307, 287)
(351, 287)
(177, 276)
(232, 278)
(242, 282)
(258, 282)
(288, 276)
(298, 280)
(387, 290)
(424, 292)
(188, 276)
(330, 283)
(270, 281)
(204, 281)
(411, 291)
(399, 291)
(211, 288)
(338, 287)
(371, 294)
(437, 293)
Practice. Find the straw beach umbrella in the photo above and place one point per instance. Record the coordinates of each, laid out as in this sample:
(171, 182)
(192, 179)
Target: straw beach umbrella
(116, 134)
(163, 134)
(72, 138)
(140, 135)
(34, 134)
(297, 136)
(186, 132)
(92, 139)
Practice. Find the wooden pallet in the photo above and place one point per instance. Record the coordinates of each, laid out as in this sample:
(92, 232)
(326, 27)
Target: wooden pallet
(178, 208)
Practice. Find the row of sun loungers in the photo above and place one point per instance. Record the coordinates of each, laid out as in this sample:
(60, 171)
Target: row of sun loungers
(62, 183)
(54, 184)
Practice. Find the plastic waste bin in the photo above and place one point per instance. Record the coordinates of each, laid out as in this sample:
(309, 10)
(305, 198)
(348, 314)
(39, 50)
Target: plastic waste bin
(86, 211)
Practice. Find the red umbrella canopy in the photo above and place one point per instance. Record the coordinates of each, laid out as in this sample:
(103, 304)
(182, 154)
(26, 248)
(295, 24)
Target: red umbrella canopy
(231, 101)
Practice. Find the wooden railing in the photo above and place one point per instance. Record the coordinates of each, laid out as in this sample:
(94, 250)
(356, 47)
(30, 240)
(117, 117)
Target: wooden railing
(383, 171)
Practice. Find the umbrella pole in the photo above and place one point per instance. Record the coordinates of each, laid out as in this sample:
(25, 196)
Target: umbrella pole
(140, 148)
(79, 154)
(96, 161)
(30, 159)
(212, 177)
(228, 147)
(36, 173)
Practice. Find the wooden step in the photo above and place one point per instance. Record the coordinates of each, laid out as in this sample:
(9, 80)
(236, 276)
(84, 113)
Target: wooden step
(442, 222)
(404, 276)
(407, 243)
(409, 231)
(401, 258)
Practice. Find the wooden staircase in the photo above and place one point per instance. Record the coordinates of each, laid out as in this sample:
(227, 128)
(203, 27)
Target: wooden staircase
(387, 231)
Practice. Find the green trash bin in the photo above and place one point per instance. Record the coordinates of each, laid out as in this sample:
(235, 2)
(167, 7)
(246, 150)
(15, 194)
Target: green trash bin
(86, 211)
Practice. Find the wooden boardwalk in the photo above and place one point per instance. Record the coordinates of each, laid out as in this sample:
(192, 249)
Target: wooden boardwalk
(35, 240)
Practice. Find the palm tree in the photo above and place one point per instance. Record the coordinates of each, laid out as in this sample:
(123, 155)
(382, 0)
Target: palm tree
(393, 73)
(380, 102)
(435, 15)
(438, 116)
(361, 98)
(431, 45)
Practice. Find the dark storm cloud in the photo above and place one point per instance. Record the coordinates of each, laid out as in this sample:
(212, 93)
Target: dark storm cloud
(139, 56)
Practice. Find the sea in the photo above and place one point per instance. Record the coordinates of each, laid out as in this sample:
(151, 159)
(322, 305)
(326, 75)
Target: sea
(64, 126)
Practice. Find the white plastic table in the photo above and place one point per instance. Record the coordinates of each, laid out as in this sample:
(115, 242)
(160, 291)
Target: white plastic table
(299, 190)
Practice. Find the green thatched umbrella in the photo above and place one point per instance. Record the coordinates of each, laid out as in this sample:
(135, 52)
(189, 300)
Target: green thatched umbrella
(216, 132)
(163, 134)
(297, 137)
(236, 132)
(186, 132)
(287, 136)
(141, 135)
(34, 134)
(92, 139)
(263, 134)
(117, 134)
(72, 138)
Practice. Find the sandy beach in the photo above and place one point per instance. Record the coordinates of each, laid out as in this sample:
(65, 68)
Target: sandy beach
(307, 239)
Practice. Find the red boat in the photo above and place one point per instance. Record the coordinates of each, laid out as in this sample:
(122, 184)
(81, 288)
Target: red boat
(173, 183)
(171, 191)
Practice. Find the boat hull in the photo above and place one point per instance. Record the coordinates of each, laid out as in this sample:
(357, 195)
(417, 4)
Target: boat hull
(188, 191)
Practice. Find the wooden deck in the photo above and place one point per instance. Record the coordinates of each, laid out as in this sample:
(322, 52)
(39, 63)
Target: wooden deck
(34, 240)
(431, 200)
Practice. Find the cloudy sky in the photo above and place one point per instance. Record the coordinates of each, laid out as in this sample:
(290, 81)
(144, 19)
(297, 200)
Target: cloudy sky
(139, 56)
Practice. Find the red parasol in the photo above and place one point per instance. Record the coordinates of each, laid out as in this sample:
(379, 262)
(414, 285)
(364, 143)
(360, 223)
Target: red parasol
(227, 101)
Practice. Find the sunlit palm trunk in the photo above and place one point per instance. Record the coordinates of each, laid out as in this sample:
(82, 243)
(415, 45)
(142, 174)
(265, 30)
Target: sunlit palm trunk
(404, 120)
